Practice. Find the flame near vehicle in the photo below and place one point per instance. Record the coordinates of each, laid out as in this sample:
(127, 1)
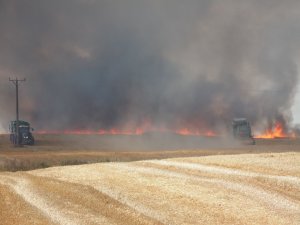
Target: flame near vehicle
(276, 132)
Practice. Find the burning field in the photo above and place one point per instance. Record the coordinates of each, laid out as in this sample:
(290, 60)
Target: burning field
(134, 105)
(225, 189)
(136, 66)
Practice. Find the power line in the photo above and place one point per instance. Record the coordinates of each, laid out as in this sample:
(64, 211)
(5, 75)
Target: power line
(16, 83)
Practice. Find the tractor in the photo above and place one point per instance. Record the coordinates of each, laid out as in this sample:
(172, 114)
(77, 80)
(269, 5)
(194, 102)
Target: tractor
(242, 130)
(24, 137)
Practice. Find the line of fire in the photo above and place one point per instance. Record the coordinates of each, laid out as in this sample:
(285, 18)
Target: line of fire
(275, 132)
(21, 131)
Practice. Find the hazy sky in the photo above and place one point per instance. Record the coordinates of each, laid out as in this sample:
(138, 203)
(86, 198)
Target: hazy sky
(170, 63)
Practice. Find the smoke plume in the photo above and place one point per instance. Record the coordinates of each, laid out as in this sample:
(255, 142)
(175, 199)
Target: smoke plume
(168, 64)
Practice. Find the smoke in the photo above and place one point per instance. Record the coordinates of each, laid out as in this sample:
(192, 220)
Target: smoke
(173, 64)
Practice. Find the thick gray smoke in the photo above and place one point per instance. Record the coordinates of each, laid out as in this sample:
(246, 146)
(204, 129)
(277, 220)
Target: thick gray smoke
(170, 63)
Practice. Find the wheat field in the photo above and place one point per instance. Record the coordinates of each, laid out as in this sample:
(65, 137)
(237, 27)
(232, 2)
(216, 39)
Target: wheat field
(222, 189)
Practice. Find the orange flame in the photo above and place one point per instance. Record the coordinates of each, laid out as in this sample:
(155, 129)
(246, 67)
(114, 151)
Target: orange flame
(137, 131)
(276, 132)
(112, 131)
(186, 131)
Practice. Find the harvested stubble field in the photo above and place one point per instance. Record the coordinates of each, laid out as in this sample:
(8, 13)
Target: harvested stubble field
(230, 185)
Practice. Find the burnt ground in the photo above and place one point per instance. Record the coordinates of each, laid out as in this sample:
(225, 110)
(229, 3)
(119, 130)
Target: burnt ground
(58, 150)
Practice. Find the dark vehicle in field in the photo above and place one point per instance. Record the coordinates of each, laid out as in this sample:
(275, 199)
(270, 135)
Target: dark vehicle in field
(25, 136)
(242, 130)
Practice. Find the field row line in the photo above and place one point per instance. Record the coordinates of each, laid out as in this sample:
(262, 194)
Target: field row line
(225, 171)
(24, 189)
(272, 199)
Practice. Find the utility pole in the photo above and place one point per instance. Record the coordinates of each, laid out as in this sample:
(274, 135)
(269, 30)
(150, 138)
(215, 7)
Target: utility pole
(16, 83)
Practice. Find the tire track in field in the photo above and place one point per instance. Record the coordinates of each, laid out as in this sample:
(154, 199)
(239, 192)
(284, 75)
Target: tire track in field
(226, 171)
(134, 205)
(95, 204)
(64, 210)
(271, 199)
(169, 192)
(53, 209)
(141, 210)
(22, 187)
(14, 209)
